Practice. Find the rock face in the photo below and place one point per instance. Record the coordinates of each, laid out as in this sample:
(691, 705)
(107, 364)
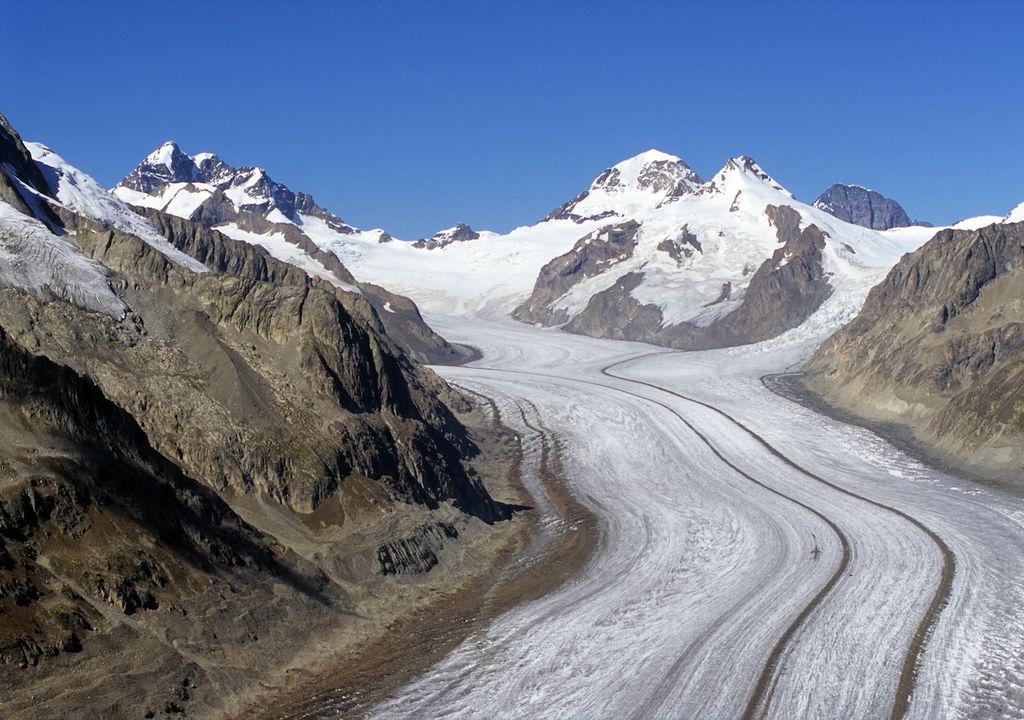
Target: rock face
(939, 349)
(780, 294)
(110, 520)
(864, 207)
(169, 187)
(459, 233)
(20, 177)
(590, 256)
(145, 404)
(397, 316)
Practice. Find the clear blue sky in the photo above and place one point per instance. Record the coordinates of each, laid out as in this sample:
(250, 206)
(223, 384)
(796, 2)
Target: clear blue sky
(414, 116)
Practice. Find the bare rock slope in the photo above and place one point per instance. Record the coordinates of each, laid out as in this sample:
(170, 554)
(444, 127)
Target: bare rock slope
(157, 387)
(861, 206)
(938, 348)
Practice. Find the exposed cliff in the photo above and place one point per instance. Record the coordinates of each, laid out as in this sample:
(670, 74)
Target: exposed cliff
(781, 293)
(939, 348)
(158, 382)
(864, 207)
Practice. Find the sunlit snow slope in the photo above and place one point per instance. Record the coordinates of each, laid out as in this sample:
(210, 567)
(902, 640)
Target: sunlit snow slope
(757, 560)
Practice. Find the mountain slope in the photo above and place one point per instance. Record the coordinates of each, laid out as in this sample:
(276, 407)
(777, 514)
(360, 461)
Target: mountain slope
(158, 382)
(731, 261)
(249, 206)
(939, 349)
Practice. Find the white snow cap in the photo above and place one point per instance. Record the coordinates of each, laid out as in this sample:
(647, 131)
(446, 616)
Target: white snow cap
(163, 154)
(634, 172)
(741, 171)
(1016, 215)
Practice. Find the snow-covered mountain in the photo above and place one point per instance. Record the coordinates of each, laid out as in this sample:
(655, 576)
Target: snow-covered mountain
(735, 260)
(247, 205)
(177, 183)
(636, 185)
(649, 251)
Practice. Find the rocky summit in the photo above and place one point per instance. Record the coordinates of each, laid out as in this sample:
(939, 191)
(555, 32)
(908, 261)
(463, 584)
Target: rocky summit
(864, 207)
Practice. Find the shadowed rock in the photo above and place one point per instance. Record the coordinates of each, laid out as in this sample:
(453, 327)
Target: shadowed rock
(860, 206)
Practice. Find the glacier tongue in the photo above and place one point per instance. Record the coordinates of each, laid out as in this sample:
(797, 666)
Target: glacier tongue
(35, 260)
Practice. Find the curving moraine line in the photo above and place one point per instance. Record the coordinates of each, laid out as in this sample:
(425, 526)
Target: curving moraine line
(911, 661)
(655, 700)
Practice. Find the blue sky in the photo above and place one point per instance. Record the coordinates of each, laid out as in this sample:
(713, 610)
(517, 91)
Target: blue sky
(414, 116)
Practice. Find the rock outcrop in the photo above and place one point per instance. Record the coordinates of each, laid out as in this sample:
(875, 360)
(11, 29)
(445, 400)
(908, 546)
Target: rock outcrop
(938, 348)
(591, 255)
(781, 293)
(20, 178)
(864, 207)
(147, 406)
(442, 238)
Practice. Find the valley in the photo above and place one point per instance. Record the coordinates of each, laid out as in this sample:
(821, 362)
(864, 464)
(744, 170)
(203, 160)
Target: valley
(839, 576)
(316, 471)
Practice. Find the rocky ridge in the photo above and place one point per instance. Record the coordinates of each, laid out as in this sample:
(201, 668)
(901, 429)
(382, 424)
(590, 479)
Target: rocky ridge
(442, 238)
(938, 349)
(159, 386)
(249, 188)
(861, 206)
(249, 206)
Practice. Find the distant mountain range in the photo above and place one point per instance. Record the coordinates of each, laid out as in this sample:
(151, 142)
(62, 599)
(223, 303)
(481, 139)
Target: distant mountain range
(649, 251)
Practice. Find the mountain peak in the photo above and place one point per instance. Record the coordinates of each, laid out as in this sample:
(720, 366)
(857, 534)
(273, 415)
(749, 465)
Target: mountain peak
(650, 155)
(164, 165)
(165, 154)
(738, 172)
(248, 188)
(861, 206)
(650, 171)
(644, 180)
(747, 164)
